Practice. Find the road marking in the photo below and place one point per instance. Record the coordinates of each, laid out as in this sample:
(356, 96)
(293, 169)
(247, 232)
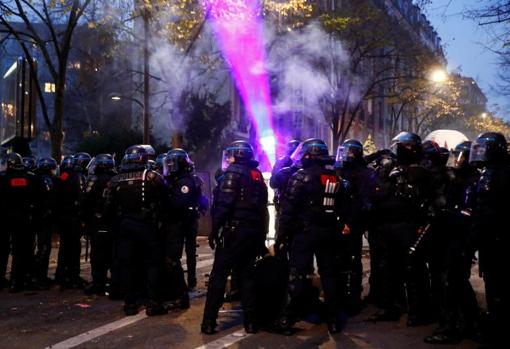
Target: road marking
(206, 263)
(97, 332)
(226, 341)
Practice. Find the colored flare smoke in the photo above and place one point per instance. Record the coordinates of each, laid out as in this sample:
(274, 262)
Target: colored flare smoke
(238, 28)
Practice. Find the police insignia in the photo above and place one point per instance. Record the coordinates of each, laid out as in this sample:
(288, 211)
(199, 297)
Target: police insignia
(185, 189)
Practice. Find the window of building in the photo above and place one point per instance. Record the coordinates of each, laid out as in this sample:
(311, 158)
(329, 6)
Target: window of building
(49, 87)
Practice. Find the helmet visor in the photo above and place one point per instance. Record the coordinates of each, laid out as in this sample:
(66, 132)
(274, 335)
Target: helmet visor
(478, 153)
(225, 160)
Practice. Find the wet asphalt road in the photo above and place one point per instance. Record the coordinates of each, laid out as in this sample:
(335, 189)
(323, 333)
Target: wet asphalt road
(45, 319)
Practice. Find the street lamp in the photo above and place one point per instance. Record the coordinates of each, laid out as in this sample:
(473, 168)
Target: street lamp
(117, 97)
(438, 75)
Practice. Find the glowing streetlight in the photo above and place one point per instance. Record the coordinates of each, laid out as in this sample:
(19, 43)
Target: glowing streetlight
(484, 115)
(438, 75)
(116, 98)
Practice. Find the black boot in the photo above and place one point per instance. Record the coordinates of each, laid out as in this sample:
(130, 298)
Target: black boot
(192, 282)
(444, 335)
(130, 309)
(385, 315)
(155, 308)
(208, 327)
(180, 304)
(251, 327)
(94, 288)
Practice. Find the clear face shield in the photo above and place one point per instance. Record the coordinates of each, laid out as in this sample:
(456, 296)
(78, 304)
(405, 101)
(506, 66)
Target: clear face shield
(457, 160)
(91, 167)
(297, 155)
(346, 154)
(478, 154)
(226, 160)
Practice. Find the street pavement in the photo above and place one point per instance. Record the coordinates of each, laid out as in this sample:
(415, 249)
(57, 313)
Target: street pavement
(69, 319)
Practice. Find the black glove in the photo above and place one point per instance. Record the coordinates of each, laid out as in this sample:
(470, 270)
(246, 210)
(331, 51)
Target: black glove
(213, 239)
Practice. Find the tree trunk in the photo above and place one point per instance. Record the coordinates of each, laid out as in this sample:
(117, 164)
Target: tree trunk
(56, 132)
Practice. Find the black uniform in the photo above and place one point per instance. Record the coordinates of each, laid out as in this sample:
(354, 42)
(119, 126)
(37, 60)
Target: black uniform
(382, 162)
(71, 188)
(312, 202)
(359, 182)
(458, 307)
(99, 228)
(402, 206)
(490, 212)
(44, 220)
(18, 190)
(137, 196)
(239, 230)
(181, 231)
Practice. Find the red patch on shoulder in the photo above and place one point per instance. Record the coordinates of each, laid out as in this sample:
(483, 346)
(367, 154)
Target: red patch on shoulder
(256, 176)
(64, 176)
(330, 178)
(19, 182)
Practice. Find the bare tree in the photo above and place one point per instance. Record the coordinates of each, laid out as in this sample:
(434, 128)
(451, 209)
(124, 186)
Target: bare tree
(59, 20)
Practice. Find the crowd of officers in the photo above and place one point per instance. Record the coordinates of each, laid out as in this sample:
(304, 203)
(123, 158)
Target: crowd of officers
(139, 218)
(427, 213)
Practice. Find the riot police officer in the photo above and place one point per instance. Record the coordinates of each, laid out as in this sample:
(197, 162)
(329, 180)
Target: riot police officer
(359, 181)
(490, 212)
(137, 196)
(309, 219)
(71, 188)
(285, 160)
(181, 230)
(402, 205)
(44, 218)
(160, 163)
(238, 234)
(30, 163)
(459, 312)
(281, 172)
(17, 189)
(99, 226)
(382, 162)
(82, 162)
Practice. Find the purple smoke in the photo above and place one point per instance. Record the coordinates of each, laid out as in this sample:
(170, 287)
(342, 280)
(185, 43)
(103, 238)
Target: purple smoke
(238, 28)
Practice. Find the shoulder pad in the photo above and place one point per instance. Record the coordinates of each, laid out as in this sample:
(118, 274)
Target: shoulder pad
(301, 175)
(230, 181)
(235, 168)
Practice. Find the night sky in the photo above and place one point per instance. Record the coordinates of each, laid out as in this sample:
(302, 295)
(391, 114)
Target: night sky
(464, 42)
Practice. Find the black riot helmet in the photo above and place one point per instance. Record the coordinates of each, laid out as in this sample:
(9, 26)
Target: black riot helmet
(445, 154)
(30, 162)
(431, 152)
(81, 161)
(160, 163)
(67, 163)
(241, 151)
(15, 162)
(150, 150)
(351, 151)
(311, 151)
(459, 157)
(177, 161)
(490, 148)
(136, 158)
(407, 147)
(291, 146)
(46, 166)
(103, 163)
